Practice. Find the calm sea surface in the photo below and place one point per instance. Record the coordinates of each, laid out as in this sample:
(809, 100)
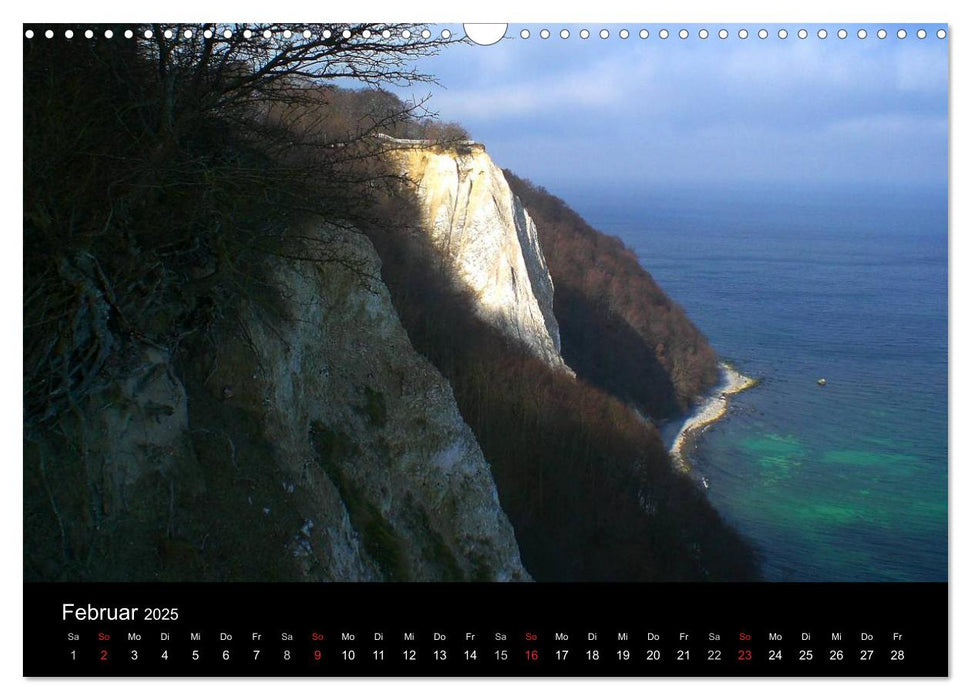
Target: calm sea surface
(846, 482)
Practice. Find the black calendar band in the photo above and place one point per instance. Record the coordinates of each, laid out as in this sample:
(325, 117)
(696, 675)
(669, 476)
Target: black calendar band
(542, 630)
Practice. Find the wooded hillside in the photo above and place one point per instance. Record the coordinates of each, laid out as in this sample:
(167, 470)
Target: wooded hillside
(618, 328)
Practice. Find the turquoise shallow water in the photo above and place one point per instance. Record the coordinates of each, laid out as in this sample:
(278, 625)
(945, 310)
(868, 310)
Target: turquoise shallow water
(847, 482)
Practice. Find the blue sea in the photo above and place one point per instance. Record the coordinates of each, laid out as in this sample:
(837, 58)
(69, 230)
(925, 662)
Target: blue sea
(846, 482)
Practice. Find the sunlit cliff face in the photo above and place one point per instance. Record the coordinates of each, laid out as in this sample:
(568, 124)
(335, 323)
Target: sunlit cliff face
(483, 228)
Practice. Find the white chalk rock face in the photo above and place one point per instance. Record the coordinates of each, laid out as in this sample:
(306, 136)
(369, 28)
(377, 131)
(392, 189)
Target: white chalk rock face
(334, 449)
(483, 228)
(392, 477)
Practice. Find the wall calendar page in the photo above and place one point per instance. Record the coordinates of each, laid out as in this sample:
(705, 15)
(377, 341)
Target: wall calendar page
(485, 350)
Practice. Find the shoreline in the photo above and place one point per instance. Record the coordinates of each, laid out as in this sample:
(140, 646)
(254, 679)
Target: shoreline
(712, 409)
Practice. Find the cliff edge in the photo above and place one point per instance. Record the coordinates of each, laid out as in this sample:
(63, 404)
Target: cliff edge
(484, 230)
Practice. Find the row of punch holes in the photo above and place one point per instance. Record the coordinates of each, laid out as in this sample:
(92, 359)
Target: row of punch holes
(524, 34)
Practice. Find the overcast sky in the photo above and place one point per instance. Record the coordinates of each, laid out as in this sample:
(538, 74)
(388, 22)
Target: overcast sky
(753, 111)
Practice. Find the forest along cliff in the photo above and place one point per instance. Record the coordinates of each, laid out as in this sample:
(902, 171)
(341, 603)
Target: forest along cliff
(482, 229)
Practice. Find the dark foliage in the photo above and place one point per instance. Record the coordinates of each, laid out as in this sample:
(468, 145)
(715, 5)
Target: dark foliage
(587, 483)
(618, 328)
(163, 180)
(160, 174)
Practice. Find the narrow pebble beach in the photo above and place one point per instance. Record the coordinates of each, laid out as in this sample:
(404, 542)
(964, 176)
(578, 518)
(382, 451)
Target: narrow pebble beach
(712, 409)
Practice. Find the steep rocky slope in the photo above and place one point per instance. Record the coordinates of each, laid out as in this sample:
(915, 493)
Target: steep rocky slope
(308, 440)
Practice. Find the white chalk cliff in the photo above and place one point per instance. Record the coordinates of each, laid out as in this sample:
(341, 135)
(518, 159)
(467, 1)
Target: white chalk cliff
(331, 448)
(484, 230)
